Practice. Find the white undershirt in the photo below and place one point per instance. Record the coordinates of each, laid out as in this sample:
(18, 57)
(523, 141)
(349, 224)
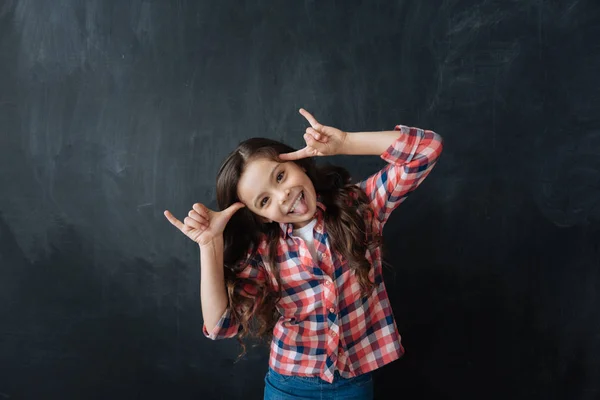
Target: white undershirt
(306, 234)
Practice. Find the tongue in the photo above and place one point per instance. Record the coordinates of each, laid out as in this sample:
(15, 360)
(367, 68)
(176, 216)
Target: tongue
(301, 208)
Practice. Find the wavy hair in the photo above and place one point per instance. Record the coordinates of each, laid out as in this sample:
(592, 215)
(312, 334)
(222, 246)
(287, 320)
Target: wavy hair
(348, 219)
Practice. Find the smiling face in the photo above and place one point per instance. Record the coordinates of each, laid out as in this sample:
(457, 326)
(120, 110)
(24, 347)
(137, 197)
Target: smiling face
(279, 192)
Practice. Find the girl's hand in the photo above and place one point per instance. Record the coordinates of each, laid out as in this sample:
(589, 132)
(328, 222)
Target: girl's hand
(320, 140)
(202, 225)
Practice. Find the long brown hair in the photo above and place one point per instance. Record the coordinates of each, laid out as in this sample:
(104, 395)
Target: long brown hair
(348, 220)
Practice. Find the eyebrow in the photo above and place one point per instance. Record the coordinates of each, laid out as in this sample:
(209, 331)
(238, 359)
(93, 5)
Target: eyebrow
(270, 178)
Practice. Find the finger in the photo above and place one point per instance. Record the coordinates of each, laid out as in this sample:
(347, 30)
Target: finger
(296, 155)
(192, 223)
(200, 209)
(317, 135)
(313, 133)
(315, 147)
(236, 206)
(232, 209)
(177, 223)
(311, 120)
(195, 216)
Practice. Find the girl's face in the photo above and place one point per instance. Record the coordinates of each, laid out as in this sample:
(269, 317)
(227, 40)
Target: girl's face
(278, 192)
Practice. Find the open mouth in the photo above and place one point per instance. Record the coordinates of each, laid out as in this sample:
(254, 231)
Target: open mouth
(299, 206)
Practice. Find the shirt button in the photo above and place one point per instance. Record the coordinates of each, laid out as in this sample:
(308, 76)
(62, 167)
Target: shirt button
(327, 283)
(332, 310)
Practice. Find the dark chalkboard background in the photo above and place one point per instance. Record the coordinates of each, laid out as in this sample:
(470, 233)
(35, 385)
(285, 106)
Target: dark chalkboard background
(112, 111)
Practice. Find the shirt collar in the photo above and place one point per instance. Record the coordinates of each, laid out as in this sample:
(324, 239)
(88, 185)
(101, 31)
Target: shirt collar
(288, 227)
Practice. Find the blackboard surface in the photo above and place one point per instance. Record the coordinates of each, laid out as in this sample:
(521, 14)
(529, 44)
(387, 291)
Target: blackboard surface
(112, 111)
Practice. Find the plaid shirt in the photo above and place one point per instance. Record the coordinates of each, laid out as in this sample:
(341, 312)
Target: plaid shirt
(325, 324)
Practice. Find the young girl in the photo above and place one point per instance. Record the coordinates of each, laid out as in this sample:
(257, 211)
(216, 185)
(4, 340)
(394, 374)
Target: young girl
(296, 251)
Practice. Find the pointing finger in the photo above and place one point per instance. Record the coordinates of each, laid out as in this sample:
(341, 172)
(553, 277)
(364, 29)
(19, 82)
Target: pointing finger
(177, 223)
(311, 120)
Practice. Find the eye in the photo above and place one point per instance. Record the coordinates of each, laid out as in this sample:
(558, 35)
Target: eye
(280, 176)
(264, 201)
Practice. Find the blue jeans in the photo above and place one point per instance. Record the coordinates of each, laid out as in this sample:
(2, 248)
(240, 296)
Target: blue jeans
(284, 387)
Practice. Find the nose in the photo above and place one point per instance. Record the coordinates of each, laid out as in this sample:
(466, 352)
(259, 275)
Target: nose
(283, 196)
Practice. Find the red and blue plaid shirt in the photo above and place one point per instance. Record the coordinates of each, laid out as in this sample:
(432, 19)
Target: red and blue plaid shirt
(325, 324)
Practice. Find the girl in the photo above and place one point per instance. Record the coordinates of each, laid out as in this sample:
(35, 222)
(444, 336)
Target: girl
(297, 250)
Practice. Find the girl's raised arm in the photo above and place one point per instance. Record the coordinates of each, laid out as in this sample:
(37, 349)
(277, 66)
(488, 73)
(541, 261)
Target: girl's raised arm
(410, 152)
(205, 227)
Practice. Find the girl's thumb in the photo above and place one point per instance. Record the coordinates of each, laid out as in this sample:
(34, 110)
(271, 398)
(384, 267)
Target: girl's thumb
(232, 209)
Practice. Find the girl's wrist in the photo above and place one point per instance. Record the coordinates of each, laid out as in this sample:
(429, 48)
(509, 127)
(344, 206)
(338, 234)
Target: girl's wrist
(213, 244)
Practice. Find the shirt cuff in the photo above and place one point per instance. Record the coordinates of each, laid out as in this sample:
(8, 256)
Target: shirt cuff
(223, 323)
(404, 147)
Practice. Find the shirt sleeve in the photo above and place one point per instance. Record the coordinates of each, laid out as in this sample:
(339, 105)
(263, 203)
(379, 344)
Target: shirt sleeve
(227, 326)
(411, 157)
